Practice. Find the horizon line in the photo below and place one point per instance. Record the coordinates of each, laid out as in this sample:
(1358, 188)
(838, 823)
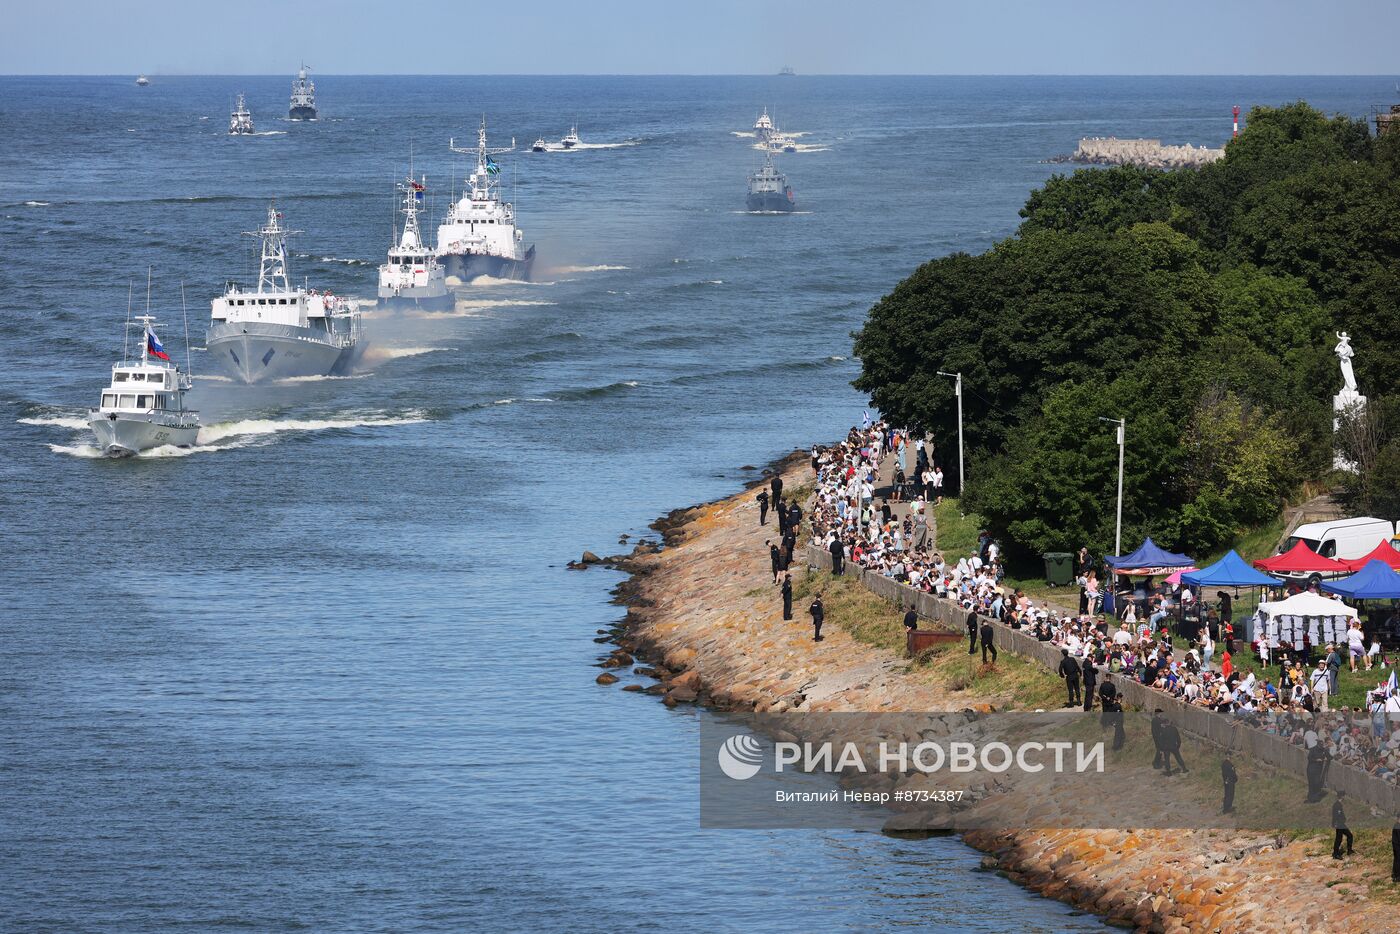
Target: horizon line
(621, 74)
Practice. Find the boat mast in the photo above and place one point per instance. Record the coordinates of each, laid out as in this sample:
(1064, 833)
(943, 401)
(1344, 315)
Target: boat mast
(189, 368)
(126, 332)
(272, 268)
(146, 319)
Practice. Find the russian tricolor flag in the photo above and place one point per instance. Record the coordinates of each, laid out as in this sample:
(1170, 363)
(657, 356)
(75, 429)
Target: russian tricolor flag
(154, 347)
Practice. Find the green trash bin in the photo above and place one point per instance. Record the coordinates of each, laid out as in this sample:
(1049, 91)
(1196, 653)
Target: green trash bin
(1059, 568)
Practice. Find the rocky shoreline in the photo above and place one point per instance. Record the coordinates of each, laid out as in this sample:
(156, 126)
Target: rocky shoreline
(704, 623)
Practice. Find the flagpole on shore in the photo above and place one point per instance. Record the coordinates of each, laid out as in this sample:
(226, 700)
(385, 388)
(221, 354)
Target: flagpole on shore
(1122, 424)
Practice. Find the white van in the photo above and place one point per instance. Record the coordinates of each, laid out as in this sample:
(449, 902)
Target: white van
(1342, 538)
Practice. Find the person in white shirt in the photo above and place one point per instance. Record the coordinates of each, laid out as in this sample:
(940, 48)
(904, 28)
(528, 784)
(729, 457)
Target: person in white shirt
(1356, 643)
(1320, 683)
(1123, 637)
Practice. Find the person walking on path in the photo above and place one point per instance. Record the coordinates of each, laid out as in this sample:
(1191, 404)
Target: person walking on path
(775, 556)
(971, 631)
(762, 507)
(1340, 828)
(1228, 778)
(787, 596)
(1091, 675)
(818, 617)
(988, 645)
(838, 557)
(1069, 670)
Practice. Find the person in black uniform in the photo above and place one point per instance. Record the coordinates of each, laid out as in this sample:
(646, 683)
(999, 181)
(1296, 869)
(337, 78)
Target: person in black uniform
(971, 631)
(988, 645)
(787, 596)
(1171, 747)
(1395, 851)
(818, 616)
(782, 515)
(789, 542)
(794, 518)
(1228, 778)
(762, 507)
(1318, 760)
(775, 556)
(911, 619)
(1112, 710)
(1069, 670)
(776, 485)
(1340, 828)
(1157, 721)
(1090, 676)
(838, 557)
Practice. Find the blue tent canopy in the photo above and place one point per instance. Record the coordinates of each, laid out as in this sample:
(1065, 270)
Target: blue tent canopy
(1149, 555)
(1229, 571)
(1375, 581)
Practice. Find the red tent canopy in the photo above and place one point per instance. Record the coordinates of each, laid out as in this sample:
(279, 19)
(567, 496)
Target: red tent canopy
(1300, 559)
(1382, 552)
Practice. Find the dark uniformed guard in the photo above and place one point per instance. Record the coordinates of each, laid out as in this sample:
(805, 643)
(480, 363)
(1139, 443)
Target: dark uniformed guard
(1091, 677)
(1228, 778)
(988, 645)
(838, 556)
(776, 485)
(1395, 851)
(818, 615)
(782, 516)
(971, 631)
(911, 619)
(789, 542)
(787, 596)
(762, 507)
(776, 557)
(1069, 670)
(1171, 747)
(1340, 828)
(1318, 760)
(794, 522)
(1112, 710)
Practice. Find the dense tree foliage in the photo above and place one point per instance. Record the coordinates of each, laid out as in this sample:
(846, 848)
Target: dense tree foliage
(1198, 304)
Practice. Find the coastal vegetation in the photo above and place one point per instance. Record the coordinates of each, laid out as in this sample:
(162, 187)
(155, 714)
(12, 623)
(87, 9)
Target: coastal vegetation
(1199, 305)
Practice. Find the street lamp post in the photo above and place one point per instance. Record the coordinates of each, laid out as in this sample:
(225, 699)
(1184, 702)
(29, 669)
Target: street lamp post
(957, 391)
(1122, 424)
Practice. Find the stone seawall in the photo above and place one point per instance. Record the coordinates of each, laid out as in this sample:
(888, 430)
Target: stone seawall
(1205, 724)
(704, 615)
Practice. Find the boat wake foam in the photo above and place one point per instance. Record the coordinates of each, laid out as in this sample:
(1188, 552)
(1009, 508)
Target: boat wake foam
(56, 421)
(484, 280)
(376, 353)
(600, 268)
(226, 436)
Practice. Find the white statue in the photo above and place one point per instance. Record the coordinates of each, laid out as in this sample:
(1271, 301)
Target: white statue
(1344, 354)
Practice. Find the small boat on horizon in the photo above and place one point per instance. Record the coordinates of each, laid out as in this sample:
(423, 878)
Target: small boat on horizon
(142, 81)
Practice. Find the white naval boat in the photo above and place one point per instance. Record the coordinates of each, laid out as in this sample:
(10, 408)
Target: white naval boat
(303, 105)
(144, 405)
(240, 122)
(279, 331)
(479, 237)
(571, 139)
(768, 189)
(763, 127)
(540, 145)
(412, 277)
(142, 81)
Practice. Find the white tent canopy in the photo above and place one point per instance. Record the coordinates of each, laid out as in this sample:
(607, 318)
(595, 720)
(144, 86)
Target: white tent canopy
(1307, 604)
(1318, 619)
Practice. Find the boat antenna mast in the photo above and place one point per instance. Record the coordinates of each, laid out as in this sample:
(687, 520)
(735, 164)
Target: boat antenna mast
(272, 268)
(126, 332)
(486, 168)
(184, 312)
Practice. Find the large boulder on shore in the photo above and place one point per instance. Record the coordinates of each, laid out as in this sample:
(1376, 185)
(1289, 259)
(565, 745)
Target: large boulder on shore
(606, 678)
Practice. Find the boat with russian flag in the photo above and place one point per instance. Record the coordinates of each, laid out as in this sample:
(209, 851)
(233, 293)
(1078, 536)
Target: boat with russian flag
(144, 405)
(279, 331)
(411, 276)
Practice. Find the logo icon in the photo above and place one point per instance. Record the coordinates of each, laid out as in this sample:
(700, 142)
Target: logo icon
(740, 757)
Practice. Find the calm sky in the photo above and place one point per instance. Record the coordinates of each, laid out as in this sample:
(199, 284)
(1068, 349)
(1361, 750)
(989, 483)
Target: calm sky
(701, 37)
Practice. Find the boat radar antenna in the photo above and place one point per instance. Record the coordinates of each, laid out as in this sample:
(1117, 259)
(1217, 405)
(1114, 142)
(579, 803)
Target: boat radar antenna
(482, 175)
(272, 268)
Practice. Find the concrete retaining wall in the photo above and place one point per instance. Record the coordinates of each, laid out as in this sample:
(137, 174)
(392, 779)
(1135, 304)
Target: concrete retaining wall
(1204, 724)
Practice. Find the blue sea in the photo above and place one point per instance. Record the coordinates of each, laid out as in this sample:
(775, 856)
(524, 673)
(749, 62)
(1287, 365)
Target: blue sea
(327, 671)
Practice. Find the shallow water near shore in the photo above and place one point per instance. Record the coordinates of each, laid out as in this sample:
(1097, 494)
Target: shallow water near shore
(328, 671)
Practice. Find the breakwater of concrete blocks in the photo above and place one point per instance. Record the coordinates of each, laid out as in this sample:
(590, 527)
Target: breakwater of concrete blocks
(1149, 153)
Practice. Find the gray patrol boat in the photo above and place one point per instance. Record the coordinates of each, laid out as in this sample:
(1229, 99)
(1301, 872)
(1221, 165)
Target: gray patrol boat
(144, 405)
(278, 331)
